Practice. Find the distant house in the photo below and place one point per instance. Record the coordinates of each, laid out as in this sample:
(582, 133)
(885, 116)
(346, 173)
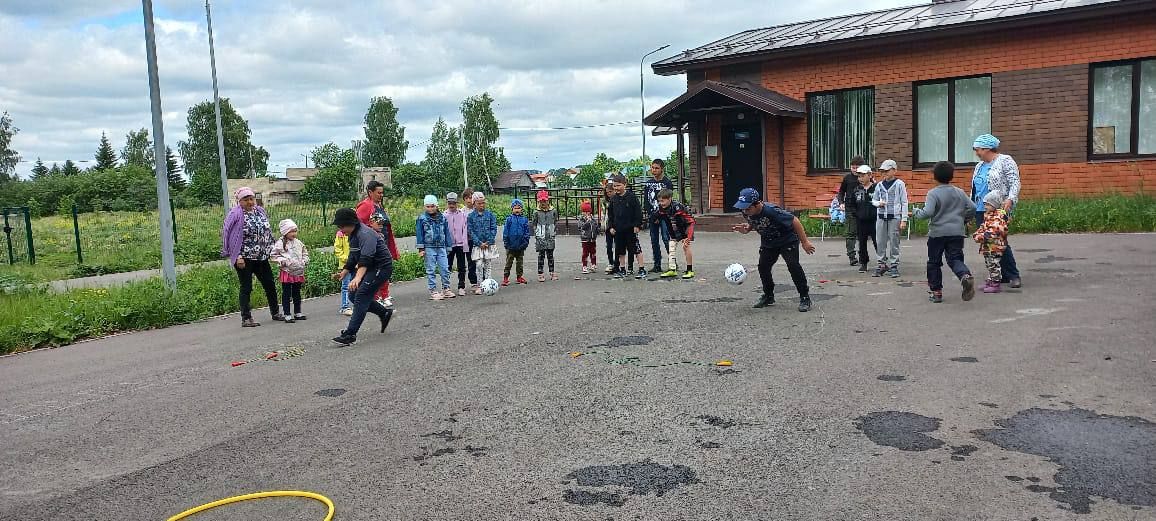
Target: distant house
(381, 174)
(514, 179)
(1067, 85)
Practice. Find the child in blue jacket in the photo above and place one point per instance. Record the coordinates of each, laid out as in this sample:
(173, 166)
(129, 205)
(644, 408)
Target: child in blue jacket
(433, 243)
(516, 238)
(482, 227)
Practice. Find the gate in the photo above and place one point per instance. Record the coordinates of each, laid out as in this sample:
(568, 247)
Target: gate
(18, 247)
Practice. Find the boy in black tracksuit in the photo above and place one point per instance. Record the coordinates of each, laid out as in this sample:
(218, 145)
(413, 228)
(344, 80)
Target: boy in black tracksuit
(846, 189)
(860, 208)
(625, 219)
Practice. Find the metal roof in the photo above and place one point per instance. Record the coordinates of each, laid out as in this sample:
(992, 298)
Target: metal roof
(707, 94)
(880, 24)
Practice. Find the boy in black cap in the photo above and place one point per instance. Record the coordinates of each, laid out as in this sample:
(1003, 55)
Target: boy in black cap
(782, 235)
(372, 264)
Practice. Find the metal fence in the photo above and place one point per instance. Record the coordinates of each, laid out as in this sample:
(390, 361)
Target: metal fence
(18, 245)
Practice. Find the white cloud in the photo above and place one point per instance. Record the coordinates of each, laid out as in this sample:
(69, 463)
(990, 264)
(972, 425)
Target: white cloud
(302, 72)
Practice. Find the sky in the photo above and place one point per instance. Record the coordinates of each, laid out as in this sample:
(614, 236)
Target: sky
(302, 72)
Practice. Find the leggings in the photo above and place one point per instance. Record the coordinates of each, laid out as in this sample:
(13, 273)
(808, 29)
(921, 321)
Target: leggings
(543, 255)
(458, 259)
(590, 250)
(291, 291)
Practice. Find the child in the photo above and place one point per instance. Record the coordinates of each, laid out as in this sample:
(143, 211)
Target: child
(836, 212)
(949, 209)
(371, 264)
(992, 239)
(291, 254)
(607, 194)
(341, 251)
(545, 231)
(624, 223)
(483, 230)
(588, 229)
(461, 240)
(781, 235)
(676, 217)
(891, 200)
(516, 238)
(472, 268)
(861, 206)
(433, 240)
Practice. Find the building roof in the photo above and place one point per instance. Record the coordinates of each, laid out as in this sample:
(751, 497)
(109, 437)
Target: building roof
(944, 18)
(708, 94)
(513, 178)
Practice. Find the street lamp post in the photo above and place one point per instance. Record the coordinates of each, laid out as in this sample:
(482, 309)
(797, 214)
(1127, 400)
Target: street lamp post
(642, 94)
(217, 109)
(168, 268)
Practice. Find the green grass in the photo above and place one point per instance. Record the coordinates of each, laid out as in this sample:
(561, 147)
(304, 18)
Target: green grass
(1109, 213)
(35, 317)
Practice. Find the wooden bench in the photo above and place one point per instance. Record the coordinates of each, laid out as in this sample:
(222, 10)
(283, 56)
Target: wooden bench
(822, 213)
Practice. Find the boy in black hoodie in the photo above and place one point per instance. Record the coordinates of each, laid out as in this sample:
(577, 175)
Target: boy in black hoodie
(861, 208)
(625, 220)
(846, 190)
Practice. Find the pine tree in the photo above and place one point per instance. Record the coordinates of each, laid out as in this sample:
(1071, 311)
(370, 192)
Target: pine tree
(55, 170)
(176, 181)
(70, 169)
(105, 154)
(39, 170)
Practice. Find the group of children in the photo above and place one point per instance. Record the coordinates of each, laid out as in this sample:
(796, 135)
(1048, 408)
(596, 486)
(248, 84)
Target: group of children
(876, 211)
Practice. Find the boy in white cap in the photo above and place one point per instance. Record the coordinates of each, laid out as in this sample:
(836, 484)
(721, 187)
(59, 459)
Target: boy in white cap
(292, 256)
(433, 240)
(890, 199)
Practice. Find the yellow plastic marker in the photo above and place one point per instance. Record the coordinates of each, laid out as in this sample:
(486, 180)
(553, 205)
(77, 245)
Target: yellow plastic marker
(258, 495)
(724, 363)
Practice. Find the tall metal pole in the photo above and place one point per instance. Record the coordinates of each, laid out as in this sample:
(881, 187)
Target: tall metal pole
(642, 94)
(168, 268)
(462, 143)
(226, 200)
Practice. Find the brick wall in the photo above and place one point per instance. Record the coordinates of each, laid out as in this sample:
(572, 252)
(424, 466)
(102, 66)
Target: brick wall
(1042, 113)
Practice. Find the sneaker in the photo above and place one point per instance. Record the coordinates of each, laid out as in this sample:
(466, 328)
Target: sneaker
(804, 304)
(992, 287)
(893, 272)
(1016, 283)
(435, 295)
(657, 268)
(344, 339)
(553, 276)
(387, 302)
(278, 317)
(248, 322)
(968, 287)
(505, 281)
(669, 274)
(541, 278)
(461, 292)
(610, 269)
(593, 268)
(878, 271)
(585, 270)
(854, 262)
(688, 275)
(522, 280)
(478, 290)
(381, 301)
(347, 312)
(764, 301)
(642, 273)
(289, 319)
(935, 296)
(385, 319)
(862, 268)
(620, 274)
(300, 316)
(448, 293)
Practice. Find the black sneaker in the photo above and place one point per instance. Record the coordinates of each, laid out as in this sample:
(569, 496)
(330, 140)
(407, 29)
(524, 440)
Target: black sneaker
(344, 339)
(878, 271)
(804, 304)
(657, 268)
(764, 301)
(854, 262)
(862, 268)
(968, 287)
(641, 273)
(628, 274)
(620, 274)
(385, 319)
(935, 296)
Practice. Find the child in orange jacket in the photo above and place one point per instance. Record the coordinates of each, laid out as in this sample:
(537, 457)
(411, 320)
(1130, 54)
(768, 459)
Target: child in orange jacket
(992, 239)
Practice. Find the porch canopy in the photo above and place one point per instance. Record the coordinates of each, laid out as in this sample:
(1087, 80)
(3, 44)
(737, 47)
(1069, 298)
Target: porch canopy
(714, 96)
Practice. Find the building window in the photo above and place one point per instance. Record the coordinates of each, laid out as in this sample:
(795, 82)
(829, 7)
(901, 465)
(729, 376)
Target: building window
(1123, 109)
(841, 125)
(949, 114)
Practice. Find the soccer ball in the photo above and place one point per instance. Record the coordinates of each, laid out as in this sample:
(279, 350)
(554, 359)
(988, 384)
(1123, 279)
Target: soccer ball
(735, 274)
(489, 287)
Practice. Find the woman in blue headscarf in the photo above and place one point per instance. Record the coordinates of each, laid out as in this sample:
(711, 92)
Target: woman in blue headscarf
(996, 172)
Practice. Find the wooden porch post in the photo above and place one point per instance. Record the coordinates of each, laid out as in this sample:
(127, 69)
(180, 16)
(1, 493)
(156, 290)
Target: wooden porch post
(681, 168)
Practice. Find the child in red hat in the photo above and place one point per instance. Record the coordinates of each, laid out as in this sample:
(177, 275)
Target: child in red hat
(588, 229)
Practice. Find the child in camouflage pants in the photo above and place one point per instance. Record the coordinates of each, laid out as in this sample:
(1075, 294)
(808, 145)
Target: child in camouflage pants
(992, 238)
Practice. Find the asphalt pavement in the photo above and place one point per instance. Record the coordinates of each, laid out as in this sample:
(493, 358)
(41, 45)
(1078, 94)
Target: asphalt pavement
(1036, 403)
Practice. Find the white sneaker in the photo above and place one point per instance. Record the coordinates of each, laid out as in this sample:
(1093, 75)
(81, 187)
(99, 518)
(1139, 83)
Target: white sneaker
(461, 292)
(448, 293)
(435, 295)
(387, 302)
(347, 312)
(585, 269)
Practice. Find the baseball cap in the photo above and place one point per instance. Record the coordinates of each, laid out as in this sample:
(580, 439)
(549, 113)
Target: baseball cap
(747, 197)
(863, 169)
(452, 197)
(889, 164)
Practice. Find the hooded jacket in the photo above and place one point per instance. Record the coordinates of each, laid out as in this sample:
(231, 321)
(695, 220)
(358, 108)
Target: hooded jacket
(589, 228)
(516, 233)
(625, 213)
(678, 220)
(433, 231)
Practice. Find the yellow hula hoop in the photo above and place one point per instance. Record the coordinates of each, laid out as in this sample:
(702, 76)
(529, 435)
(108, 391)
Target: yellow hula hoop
(258, 495)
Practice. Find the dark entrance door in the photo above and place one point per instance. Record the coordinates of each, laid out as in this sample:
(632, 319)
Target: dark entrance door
(742, 161)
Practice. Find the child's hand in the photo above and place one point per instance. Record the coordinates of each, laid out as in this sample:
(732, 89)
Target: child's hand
(612, 232)
(353, 284)
(742, 228)
(240, 263)
(808, 247)
(421, 253)
(902, 225)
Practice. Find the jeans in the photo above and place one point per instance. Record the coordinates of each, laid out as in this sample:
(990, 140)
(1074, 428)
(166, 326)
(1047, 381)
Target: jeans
(345, 290)
(264, 274)
(1007, 263)
(864, 230)
(658, 249)
(458, 258)
(611, 259)
(437, 259)
(472, 272)
(937, 248)
(853, 234)
(363, 300)
(543, 255)
(511, 257)
(790, 254)
(887, 245)
(291, 293)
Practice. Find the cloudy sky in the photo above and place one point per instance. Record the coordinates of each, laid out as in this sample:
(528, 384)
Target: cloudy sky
(302, 71)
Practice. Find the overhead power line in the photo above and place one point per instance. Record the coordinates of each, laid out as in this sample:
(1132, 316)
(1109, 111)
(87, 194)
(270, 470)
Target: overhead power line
(575, 127)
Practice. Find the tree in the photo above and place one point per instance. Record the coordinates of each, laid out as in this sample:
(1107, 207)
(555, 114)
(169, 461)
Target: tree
(480, 132)
(672, 166)
(443, 160)
(409, 179)
(337, 176)
(200, 151)
(176, 180)
(55, 171)
(385, 143)
(70, 169)
(138, 150)
(8, 157)
(105, 155)
(593, 174)
(39, 170)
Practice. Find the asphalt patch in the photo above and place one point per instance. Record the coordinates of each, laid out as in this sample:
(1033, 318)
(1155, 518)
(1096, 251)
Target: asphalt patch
(638, 479)
(891, 378)
(989, 405)
(625, 341)
(902, 430)
(725, 372)
(1111, 457)
(330, 393)
(1052, 258)
(962, 452)
(587, 498)
(709, 444)
(446, 435)
(716, 300)
(722, 423)
(1051, 270)
(1033, 250)
(966, 359)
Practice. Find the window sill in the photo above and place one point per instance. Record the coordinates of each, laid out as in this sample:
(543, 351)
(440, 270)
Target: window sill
(1122, 159)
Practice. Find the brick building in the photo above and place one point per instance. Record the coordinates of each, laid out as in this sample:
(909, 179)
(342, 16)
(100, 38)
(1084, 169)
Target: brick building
(1069, 86)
